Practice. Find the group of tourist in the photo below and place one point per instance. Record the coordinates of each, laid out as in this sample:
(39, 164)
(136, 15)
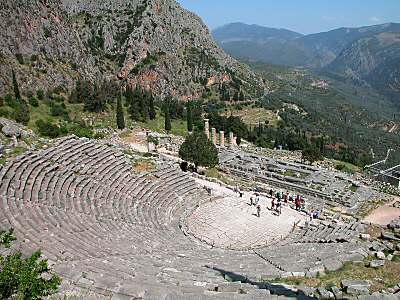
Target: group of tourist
(278, 199)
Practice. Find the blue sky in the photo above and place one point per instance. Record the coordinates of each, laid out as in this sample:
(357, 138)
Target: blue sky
(305, 16)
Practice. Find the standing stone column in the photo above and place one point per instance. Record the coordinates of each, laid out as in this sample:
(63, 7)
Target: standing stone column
(214, 135)
(207, 128)
(231, 140)
(222, 139)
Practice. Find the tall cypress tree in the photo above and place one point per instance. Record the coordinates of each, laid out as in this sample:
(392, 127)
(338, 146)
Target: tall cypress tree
(133, 98)
(236, 96)
(152, 110)
(189, 117)
(16, 87)
(21, 112)
(144, 105)
(167, 124)
(238, 138)
(241, 96)
(120, 114)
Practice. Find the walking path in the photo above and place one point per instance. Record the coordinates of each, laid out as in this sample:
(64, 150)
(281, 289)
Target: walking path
(384, 214)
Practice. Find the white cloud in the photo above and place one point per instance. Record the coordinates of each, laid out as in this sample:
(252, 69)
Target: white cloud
(375, 19)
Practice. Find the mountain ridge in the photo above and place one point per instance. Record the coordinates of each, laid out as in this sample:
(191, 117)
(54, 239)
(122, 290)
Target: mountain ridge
(250, 31)
(154, 43)
(363, 55)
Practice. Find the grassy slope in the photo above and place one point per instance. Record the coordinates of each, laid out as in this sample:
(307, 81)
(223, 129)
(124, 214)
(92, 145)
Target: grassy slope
(252, 116)
(380, 278)
(179, 127)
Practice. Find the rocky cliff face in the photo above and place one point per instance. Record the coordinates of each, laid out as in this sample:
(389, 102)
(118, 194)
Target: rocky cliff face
(152, 42)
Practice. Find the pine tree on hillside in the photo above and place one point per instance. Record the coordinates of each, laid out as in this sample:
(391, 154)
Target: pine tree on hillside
(189, 117)
(152, 110)
(167, 124)
(89, 97)
(236, 96)
(128, 96)
(241, 96)
(238, 139)
(144, 105)
(15, 85)
(120, 114)
(137, 103)
(132, 99)
(21, 112)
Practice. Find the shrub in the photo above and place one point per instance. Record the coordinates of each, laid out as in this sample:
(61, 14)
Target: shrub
(58, 90)
(24, 278)
(99, 136)
(5, 112)
(20, 58)
(59, 110)
(48, 129)
(81, 130)
(9, 100)
(21, 112)
(40, 94)
(33, 101)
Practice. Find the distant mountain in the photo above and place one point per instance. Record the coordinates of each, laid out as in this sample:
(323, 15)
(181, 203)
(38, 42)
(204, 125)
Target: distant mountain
(259, 43)
(326, 46)
(374, 60)
(367, 55)
(237, 32)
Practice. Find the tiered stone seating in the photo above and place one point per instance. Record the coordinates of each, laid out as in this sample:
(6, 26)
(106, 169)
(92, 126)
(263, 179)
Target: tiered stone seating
(116, 233)
(327, 233)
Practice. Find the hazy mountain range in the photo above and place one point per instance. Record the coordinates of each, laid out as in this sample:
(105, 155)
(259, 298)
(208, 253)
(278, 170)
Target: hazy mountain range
(366, 55)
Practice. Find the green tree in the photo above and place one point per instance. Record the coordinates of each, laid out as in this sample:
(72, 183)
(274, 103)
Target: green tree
(239, 139)
(167, 123)
(120, 114)
(152, 110)
(311, 154)
(21, 112)
(40, 94)
(23, 277)
(48, 129)
(198, 149)
(133, 102)
(189, 117)
(236, 96)
(16, 86)
(95, 101)
(33, 101)
(144, 105)
(241, 96)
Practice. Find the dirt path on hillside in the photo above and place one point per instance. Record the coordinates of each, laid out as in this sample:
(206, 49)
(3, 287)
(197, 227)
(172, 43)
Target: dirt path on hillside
(384, 214)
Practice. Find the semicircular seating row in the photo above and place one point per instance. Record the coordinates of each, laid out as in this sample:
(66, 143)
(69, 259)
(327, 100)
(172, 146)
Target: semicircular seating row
(105, 228)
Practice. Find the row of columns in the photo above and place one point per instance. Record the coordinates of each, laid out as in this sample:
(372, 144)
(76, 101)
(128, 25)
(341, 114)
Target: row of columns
(214, 138)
